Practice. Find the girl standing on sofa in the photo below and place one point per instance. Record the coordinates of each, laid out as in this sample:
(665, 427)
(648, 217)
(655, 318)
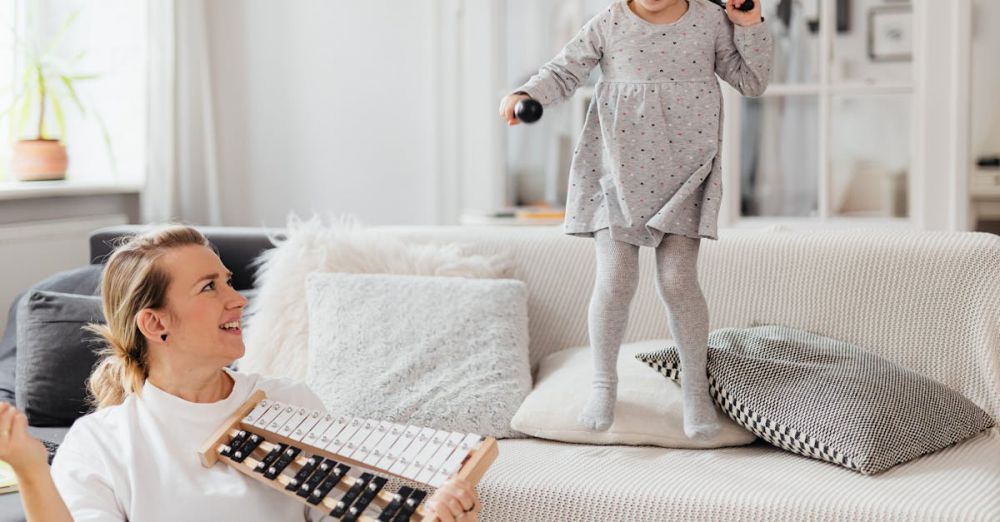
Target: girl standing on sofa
(646, 169)
(161, 389)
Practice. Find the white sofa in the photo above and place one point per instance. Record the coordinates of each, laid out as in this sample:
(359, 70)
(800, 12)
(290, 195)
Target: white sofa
(928, 301)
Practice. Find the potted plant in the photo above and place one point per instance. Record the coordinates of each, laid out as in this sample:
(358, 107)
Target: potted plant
(47, 85)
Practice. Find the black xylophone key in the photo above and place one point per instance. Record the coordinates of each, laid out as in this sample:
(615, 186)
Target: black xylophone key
(320, 492)
(234, 443)
(345, 502)
(244, 451)
(361, 504)
(409, 506)
(283, 461)
(304, 472)
(269, 458)
(322, 470)
(394, 505)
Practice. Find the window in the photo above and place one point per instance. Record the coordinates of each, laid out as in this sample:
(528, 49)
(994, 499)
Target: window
(101, 48)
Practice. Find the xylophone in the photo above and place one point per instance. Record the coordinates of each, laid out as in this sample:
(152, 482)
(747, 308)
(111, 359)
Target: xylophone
(309, 454)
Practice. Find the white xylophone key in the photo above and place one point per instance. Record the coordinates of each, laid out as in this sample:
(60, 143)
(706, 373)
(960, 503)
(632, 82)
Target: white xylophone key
(404, 451)
(424, 442)
(281, 419)
(339, 424)
(399, 441)
(342, 438)
(457, 457)
(269, 415)
(392, 433)
(293, 422)
(312, 438)
(369, 444)
(450, 442)
(356, 440)
(257, 411)
(307, 425)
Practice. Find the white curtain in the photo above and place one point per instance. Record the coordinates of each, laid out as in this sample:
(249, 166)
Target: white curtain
(182, 179)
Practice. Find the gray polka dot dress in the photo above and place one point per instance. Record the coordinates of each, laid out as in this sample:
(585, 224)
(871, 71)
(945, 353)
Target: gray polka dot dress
(647, 161)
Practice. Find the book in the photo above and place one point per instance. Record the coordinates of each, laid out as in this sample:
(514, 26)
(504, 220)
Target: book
(8, 480)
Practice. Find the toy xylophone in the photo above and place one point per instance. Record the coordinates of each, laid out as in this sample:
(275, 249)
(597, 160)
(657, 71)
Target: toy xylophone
(340, 464)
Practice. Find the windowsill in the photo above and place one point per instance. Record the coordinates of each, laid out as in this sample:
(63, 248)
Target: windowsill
(10, 190)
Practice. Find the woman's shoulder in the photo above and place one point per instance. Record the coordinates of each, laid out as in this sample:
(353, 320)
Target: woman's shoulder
(282, 389)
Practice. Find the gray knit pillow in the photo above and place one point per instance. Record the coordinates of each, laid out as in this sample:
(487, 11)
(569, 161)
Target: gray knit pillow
(828, 399)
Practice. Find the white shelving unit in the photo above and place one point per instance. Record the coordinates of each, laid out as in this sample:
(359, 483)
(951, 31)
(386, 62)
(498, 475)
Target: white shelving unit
(937, 86)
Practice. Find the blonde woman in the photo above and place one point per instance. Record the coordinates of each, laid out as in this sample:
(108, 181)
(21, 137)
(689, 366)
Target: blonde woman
(161, 388)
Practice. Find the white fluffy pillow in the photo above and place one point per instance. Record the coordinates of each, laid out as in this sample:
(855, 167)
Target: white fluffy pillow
(449, 353)
(277, 331)
(647, 412)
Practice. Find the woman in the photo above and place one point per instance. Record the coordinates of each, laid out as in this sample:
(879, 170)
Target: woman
(161, 389)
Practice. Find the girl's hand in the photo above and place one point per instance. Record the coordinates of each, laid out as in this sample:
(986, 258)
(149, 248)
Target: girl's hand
(507, 105)
(455, 501)
(19, 449)
(744, 18)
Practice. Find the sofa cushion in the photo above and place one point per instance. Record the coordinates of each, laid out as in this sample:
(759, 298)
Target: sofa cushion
(534, 479)
(55, 355)
(276, 331)
(649, 410)
(85, 280)
(449, 353)
(829, 399)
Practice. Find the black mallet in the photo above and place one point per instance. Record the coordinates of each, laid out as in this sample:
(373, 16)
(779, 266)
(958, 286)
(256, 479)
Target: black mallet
(747, 4)
(528, 110)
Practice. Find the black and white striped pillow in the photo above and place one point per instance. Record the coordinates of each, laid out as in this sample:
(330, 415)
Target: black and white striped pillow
(828, 399)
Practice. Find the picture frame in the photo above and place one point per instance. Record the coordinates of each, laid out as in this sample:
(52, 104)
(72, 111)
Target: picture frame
(890, 33)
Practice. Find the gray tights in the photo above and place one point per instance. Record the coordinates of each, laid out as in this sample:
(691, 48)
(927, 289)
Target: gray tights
(687, 315)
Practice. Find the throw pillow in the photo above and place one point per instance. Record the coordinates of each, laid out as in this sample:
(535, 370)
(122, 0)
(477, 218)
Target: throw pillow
(449, 353)
(276, 331)
(85, 280)
(55, 355)
(828, 399)
(649, 411)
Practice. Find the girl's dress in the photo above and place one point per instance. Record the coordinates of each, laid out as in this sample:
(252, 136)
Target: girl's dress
(647, 161)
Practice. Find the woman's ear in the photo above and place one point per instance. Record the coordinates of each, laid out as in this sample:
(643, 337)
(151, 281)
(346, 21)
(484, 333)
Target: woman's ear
(152, 324)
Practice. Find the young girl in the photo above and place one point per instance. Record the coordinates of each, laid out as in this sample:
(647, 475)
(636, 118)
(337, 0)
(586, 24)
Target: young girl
(646, 170)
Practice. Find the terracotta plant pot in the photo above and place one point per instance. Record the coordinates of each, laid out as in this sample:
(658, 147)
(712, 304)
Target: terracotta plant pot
(36, 160)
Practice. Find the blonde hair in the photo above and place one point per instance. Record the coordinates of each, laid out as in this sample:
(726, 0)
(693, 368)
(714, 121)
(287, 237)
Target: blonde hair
(132, 280)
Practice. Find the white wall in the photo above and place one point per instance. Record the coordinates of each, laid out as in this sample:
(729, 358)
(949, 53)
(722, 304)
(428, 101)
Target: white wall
(324, 106)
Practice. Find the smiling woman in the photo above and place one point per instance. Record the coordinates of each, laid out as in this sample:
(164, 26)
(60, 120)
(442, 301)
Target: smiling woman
(161, 389)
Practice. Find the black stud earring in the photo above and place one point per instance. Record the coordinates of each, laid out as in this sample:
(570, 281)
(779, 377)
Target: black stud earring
(164, 337)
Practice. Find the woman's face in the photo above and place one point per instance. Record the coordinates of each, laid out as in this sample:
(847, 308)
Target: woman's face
(203, 312)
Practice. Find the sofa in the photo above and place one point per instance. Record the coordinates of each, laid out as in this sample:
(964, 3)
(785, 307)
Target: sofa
(929, 301)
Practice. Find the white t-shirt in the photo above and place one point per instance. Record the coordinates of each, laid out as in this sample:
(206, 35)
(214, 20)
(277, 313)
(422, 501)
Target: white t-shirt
(138, 461)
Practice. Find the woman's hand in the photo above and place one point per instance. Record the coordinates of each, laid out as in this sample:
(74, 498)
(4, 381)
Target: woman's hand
(455, 501)
(744, 18)
(507, 105)
(23, 452)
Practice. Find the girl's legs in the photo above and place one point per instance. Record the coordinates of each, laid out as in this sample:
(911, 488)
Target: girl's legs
(687, 313)
(614, 287)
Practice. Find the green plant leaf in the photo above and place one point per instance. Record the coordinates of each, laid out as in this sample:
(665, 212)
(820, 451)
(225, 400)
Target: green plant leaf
(68, 82)
(58, 38)
(60, 120)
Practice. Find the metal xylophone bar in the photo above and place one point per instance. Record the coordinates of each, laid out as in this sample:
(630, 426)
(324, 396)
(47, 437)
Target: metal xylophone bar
(308, 454)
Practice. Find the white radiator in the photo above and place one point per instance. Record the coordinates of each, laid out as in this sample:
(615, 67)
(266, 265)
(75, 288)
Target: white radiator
(32, 251)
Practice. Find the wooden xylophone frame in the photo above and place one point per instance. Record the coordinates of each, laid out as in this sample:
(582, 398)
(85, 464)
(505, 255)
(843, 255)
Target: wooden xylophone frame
(471, 470)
